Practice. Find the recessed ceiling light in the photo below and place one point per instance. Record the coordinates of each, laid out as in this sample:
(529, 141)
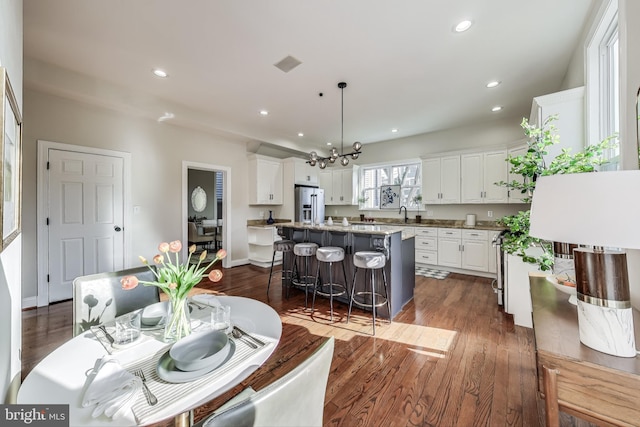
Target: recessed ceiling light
(264, 113)
(300, 134)
(496, 108)
(160, 73)
(493, 84)
(394, 130)
(328, 143)
(463, 26)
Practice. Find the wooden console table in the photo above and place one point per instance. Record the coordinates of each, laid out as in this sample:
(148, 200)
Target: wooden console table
(574, 378)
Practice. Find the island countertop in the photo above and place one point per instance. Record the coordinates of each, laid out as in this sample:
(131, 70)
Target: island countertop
(381, 229)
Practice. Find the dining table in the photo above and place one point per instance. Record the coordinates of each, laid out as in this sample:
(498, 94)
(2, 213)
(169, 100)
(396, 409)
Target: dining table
(61, 376)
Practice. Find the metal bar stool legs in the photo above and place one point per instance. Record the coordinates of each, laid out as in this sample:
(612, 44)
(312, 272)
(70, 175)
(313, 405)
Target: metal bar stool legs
(286, 272)
(306, 251)
(371, 261)
(328, 255)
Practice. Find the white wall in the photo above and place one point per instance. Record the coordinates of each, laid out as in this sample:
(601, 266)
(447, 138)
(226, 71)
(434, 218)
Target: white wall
(629, 15)
(10, 273)
(157, 151)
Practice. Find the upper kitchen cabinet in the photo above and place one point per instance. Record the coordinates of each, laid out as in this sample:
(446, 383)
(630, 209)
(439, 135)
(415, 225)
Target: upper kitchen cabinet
(340, 185)
(265, 180)
(299, 172)
(441, 180)
(480, 172)
(515, 196)
(568, 105)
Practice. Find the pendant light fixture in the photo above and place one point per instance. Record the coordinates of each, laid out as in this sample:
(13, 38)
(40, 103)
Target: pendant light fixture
(333, 153)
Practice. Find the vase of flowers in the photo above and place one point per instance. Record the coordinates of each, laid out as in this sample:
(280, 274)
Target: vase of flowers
(176, 280)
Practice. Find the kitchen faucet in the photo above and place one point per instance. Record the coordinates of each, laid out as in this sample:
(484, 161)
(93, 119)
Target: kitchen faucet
(405, 213)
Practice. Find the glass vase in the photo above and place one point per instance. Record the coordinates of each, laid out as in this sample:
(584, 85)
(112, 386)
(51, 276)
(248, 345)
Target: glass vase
(178, 323)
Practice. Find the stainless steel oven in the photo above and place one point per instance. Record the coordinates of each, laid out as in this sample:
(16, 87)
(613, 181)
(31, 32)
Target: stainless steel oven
(500, 283)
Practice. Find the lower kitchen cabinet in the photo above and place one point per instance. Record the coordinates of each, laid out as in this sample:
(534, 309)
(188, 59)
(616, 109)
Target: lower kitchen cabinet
(475, 250)
(458, 249)
(449, 247)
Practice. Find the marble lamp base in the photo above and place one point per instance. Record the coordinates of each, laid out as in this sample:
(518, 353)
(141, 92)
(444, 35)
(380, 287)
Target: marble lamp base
(609, 330)
(605, 316)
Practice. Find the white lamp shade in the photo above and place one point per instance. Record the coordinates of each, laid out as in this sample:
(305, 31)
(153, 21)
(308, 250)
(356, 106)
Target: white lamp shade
(598, 208)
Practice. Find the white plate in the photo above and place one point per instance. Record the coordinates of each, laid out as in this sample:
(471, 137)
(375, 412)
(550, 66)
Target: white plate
(167, 370)
(154, 316)
(199, 351)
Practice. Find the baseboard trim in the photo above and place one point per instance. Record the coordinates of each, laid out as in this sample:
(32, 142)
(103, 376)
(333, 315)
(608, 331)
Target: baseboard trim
(29, 302)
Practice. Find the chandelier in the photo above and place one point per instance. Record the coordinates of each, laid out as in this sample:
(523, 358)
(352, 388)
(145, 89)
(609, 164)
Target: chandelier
(333, 153)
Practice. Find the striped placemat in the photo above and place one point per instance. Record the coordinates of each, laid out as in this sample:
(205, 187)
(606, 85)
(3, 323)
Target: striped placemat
(173, 396)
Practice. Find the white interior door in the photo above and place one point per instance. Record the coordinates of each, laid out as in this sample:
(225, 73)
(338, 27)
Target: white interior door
(86, 214)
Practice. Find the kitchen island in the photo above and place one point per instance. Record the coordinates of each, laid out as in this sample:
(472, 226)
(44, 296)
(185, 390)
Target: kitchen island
(397, 244)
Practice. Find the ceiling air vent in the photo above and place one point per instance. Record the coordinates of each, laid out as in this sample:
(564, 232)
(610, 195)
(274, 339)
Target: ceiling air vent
(287, 64)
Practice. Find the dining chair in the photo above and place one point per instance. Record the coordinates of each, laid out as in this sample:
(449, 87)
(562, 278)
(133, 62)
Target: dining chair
(99, 298)
(296, 399)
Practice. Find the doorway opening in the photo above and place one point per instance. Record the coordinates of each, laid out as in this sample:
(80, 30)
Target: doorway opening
(206, 211)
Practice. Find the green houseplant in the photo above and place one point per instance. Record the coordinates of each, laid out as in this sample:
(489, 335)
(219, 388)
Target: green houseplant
(530, 166)
(418, 201)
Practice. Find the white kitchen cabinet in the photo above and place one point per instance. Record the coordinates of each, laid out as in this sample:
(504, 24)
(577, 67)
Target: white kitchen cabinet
(265, 180)
(449, 247)
(479, 173)
(339, 185)
(261, 245)
(426, 245)
(515, 196)
(441, 180)
(304, 173)
(475, 250)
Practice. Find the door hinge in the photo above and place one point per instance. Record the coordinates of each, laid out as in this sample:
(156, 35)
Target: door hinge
(47, 220)
(48, 164)
(48, 278)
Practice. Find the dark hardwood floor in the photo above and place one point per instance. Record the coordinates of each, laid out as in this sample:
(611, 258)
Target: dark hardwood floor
(452, 357)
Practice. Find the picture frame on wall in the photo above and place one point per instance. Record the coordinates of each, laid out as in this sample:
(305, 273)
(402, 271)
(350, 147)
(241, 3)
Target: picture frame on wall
(11, 155)
(390, 197)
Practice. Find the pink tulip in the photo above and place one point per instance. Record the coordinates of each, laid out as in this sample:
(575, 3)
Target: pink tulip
(158, 259)
(203, 256)
(192, 249)
(221, 254)
(129, 282)
(215, 275)
(163, 247)
(175, 246)
(143, 260)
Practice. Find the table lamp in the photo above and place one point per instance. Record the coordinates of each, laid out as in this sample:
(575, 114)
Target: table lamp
(601, 210)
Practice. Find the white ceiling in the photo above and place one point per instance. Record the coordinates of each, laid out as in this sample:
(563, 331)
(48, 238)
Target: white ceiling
(404, 65)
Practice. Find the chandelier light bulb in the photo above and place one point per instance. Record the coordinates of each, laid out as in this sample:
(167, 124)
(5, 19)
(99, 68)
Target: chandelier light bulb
(344, 161)
(354, 156)
(312, 162)
(313, 155)
(323, 164)
(357, 146)
(332, 159)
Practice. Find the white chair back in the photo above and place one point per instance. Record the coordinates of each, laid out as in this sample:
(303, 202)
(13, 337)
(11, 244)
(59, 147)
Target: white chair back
(296, 399)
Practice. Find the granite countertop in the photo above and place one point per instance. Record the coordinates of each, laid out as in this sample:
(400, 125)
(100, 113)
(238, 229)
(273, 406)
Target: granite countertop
(441, 223)
(384, 226)
(359, 228)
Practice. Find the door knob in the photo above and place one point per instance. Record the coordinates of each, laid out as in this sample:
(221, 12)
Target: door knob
(117, 228)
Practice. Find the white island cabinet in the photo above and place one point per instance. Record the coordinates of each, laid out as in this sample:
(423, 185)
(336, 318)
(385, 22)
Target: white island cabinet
(261, 240)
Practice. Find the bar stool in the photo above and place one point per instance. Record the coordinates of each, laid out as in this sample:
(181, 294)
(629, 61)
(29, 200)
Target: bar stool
(371, 261)
(304, 251)
(328, 255)
(286, 247)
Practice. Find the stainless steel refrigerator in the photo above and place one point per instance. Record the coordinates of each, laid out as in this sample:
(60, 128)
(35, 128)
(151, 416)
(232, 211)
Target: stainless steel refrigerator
(309, 203)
